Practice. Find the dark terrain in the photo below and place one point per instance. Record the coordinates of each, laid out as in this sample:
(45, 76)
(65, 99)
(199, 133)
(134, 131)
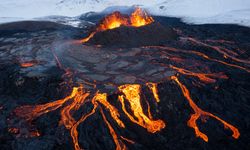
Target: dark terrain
(46, 80)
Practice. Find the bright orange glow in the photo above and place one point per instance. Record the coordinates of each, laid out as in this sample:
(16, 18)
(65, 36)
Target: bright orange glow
(32, 112)
(132, 95)
(119, 144)
(88, 38)
(207, 78)
(78, 97)
(102, 98)
(140, 18)
(200, 55)
(221, 50)
(199, 113)
(73, 130)
(153, 88)
(28, 64)
(130, 99)
(78, 100)
(137, 19)
(112, 21)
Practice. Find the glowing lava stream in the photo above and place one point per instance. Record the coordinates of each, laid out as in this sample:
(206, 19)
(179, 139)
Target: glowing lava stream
(207, 78)
(102, 98)
(73, 130)
(218, 49)
(132, 95)
(66, 112)
(137, 19)
(200, 55)
(153, 88)
(32, 112)
(199, 113)
(78, 97)
(119, 144)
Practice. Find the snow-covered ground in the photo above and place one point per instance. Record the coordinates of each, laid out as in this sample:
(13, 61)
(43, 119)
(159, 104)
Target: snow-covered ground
(191, 11)
(205, 11)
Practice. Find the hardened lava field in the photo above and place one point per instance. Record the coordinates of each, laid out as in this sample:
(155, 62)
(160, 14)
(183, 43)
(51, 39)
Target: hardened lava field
(129, 82)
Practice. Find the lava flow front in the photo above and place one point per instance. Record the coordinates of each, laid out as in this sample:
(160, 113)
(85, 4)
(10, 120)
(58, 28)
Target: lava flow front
(133, 97)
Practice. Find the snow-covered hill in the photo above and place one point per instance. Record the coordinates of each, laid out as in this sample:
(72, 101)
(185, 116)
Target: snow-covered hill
(192, 11)
(206, 11)
(39, 8)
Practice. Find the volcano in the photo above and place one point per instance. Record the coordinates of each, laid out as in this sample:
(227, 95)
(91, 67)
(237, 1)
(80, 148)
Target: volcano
(133, 82)
(153, 34)
(136, 30)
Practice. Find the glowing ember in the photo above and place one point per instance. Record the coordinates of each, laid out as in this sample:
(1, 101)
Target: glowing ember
(137, 19)
(28, 64)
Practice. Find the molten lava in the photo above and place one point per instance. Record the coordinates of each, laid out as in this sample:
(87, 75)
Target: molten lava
(153, 88)
(102, 98)
(79, 97)
(199, 113)
(132, 95)
(207, 78)
(129, 95)
(28, 63)
(140, 18)
(137, 19)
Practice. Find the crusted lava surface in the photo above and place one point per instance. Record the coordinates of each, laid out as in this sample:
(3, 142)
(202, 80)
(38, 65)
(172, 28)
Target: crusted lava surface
(177, 86)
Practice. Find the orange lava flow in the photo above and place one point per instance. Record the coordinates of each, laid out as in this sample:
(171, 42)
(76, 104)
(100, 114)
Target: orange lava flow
(119, 144)
(223, 51)
(128, 140)
(207, 78)
(88, 38)
(153, 88)
(66, 116)
(137, 19)
(32, 112)
(102, 98)
(200, 55)
(132, 95)
(199, 113)
(78, 97)
(73, 130)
